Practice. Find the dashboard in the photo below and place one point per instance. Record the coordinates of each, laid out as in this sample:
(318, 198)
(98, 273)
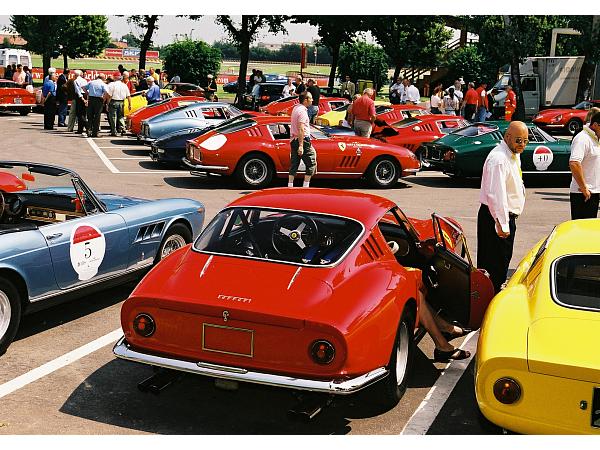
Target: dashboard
(38, 208)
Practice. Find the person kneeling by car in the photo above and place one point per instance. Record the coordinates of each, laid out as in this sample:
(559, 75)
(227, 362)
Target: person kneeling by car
(300, 133)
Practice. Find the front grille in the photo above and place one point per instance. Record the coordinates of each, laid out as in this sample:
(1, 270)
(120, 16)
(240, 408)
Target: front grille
(432, 153)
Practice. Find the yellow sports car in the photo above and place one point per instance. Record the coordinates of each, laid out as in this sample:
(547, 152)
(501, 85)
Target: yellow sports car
(538, 357)
(335, 116)
(138, 100)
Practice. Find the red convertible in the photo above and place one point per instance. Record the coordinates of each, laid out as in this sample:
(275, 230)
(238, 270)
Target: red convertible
(306, 289)
(134, 120)
(565, 119)
(255, 149)
(15, 98)
(413, 131)
(284, 106)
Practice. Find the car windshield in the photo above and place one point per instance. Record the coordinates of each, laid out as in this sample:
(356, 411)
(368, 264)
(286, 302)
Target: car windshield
(542, 135)
(342, 108)
(318, 133)
(38, 179)
(282, 236)
(577, 281)
(583, 105)
(477, 129)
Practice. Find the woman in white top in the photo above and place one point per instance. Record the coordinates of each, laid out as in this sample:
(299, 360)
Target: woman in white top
(450, 102)
(436, 100)
(289, 89)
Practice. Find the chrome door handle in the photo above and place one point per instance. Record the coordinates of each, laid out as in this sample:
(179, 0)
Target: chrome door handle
(53, 236)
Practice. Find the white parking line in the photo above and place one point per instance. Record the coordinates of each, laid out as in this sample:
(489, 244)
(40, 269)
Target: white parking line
(432, 404)
(102, 156)
(58, 363)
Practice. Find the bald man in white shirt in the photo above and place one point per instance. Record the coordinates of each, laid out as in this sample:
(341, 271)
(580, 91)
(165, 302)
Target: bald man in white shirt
(502, 198)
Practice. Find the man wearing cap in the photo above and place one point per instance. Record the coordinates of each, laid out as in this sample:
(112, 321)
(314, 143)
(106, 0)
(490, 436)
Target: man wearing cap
(211, 88)
(116, 93)
(96, 90)
(153, 92)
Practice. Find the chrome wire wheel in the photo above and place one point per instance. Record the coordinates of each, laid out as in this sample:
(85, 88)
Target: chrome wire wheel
(172, 243)
(402, 353)
(5, 313)
(255, 171)
(385, 172)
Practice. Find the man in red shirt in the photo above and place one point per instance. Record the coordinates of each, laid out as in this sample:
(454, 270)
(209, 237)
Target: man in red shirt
(471, 100)
(363, 112)
(482, 103)
(510, 103)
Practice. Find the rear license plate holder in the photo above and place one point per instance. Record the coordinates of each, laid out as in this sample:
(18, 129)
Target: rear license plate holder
(227, 340)
(18, 101)
(596, 408)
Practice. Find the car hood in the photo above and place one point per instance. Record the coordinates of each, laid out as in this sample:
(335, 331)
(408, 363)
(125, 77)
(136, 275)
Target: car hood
(565, 347)
(458, 142)
(113, 201)
(263, 287)
(555, 112)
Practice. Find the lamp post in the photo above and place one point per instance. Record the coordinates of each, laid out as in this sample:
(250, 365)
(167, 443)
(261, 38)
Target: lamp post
(191, 31)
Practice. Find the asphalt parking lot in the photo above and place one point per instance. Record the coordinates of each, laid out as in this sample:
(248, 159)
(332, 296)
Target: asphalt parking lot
(60, 376)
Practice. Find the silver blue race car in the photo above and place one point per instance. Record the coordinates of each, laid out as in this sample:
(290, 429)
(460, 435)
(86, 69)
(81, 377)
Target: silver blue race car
(58, 237)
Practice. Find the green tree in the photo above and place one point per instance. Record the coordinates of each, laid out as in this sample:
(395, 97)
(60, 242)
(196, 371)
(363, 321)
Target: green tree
(511, 39)
(242, 34)
(334, 31)
(468, 62)
(132, 40)
(42, 33)
(228, 50)
(364, 61)
(415, 41)
(83, 36)
(191, 60)
(149, 25)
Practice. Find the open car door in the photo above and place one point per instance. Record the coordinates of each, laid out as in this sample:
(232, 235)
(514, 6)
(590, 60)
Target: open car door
(458, 288)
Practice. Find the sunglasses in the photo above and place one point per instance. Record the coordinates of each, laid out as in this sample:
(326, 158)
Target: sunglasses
(521, 141)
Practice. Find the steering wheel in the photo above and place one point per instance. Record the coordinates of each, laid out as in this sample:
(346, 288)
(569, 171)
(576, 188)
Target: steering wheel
(293, 234)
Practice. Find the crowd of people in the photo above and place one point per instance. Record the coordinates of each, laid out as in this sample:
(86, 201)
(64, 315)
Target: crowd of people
(20, 74)
(88, 99)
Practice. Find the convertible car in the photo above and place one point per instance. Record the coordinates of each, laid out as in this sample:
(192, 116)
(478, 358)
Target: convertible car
(196, 115)
(570, 120)
(138, 100)
(15, 98)
(134, 120)
(411, 132)
(339, 310)
(538, 365)
(57, 237)
(256, 149)
(284, 106)
(462, 153)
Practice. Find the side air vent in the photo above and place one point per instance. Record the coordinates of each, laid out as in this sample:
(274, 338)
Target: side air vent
(151, 231)
(372, 248)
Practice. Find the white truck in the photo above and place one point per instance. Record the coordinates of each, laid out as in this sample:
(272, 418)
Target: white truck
(14, 56)
(546, 82)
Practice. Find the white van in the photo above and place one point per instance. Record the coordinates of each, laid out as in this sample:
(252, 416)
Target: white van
(14, 56)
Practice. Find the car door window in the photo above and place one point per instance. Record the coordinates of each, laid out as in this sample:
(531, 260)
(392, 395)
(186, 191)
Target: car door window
(214, 113)
(280, 131)
(528, 84)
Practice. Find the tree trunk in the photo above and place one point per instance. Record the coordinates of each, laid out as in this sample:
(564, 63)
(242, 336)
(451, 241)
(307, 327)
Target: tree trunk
(244, 56)
(586, 80)
(145, 45)
(46, 61)
(515, 76)
(397, 70)
(335, 56)
(65, 61)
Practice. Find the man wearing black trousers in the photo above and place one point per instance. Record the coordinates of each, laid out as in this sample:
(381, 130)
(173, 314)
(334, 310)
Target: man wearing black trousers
(502, 198)
(585, 167)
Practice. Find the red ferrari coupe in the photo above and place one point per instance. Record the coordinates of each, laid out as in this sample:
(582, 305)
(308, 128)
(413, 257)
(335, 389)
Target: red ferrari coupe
(570, 120)
(413, 131)
(340, 309)
(15, 98)
(284, 106)
(255, 149)
(134, 120)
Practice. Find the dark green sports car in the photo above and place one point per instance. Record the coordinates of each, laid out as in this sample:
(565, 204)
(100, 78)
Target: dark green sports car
(463, 152)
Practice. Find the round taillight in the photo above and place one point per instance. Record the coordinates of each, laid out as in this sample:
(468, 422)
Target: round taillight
(144, 325)
(507, 391)
(322, 352)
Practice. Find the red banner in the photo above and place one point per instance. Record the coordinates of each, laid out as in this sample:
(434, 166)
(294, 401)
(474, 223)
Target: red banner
(113, 52)
(152, 54)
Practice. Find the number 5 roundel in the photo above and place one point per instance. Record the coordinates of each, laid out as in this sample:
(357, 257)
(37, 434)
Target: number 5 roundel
(87, 250)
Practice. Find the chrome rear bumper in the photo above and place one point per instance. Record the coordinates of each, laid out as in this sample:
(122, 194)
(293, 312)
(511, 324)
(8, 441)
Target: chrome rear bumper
(337, 387)
(200, 167)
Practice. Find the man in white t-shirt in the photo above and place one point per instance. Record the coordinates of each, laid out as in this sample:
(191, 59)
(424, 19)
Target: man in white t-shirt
(412, 94)
(585, 167)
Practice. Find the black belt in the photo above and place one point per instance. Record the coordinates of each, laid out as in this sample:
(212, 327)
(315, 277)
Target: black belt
(120, 101)
(513, 215)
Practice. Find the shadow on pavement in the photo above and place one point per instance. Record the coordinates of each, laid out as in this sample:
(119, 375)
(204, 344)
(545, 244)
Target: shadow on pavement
(72, 310)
